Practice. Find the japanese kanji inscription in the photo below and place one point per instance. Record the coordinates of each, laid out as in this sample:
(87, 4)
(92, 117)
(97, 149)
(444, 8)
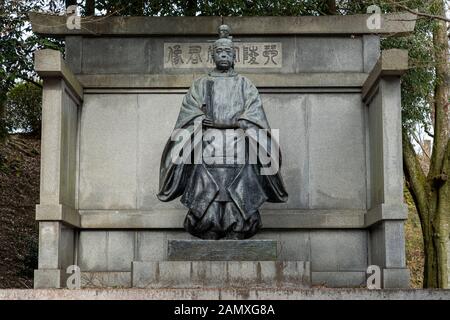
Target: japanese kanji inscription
(198, 55)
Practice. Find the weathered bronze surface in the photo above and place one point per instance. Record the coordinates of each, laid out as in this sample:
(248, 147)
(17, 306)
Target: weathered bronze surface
(222, 193)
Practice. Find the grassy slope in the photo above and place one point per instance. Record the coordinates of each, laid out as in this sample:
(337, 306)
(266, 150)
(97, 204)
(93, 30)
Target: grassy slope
(19, 193)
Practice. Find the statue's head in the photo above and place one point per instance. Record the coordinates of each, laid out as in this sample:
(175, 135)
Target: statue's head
(224, 31)
(223, 49)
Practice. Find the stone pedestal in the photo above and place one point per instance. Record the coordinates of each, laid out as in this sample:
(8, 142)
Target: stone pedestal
(219, 264)
(220, 274)
(222, 250)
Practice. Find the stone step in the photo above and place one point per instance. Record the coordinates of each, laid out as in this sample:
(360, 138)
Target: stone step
(213, 274)
(222, 250)
(225, 294)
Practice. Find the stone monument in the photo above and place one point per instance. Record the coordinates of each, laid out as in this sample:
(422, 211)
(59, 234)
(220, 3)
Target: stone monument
(110, 105)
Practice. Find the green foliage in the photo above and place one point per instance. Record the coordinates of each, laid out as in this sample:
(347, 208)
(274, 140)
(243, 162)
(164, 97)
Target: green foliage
(418, 83)
(259, 8)
(17, 44)
(23, 108)
(212, 7)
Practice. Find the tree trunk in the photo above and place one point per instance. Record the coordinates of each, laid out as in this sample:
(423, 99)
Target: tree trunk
(90, 8)
(330, 7)
(433, 208)
(190, 8)
(438, 175)
(70, 3)
(431, 193)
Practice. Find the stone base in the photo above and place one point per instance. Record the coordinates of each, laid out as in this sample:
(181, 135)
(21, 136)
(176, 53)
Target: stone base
(213, 274)
(224, 294)
(49, 278)
(108, 279)
(339, 279)
(222, 250)
(395, 278)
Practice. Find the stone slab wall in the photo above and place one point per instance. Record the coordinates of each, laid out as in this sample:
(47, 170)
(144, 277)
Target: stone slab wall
(147, 55)
(322, 138)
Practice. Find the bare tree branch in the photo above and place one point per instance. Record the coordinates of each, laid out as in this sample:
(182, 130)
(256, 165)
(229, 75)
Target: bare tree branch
(422, 14)
(428, 132)
(420, 143)
(37, 84)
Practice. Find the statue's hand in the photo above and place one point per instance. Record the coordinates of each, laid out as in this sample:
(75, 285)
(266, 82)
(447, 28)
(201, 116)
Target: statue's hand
(244, 124)
(227, 125)
(208, 122)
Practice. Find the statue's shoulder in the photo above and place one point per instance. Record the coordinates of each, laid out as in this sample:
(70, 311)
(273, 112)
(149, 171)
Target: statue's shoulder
(200, 80)
(198, 83)
(247, 83)
(245, 79)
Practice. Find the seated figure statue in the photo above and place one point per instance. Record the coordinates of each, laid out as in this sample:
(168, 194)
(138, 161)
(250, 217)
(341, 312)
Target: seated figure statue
(225, 188)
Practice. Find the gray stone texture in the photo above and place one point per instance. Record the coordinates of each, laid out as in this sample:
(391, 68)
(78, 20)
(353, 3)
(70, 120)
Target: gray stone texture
(105, 279)
(321, 129)
(48, 278)
(395, 278)
(56, 245)
(136, 55)
(292, 244)
(394, 23)
(371, 51)
(106, 250)
(387, 245)
(222, 250)
(226, 294)
(338, 250)
(273, 219)
(108, 147)
(336, 131)
(69, 140)
(213, 274)
(339, 279)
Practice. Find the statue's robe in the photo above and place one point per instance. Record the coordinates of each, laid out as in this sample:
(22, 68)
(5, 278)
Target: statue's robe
(223, 200)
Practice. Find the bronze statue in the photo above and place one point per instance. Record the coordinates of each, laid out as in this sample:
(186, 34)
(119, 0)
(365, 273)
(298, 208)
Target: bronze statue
(225, 188)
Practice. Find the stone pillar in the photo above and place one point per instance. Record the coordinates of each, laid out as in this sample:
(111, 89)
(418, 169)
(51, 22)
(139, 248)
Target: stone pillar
(387, 212)
(57, 211)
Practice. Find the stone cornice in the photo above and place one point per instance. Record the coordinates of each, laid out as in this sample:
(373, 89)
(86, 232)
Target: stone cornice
(55, 25)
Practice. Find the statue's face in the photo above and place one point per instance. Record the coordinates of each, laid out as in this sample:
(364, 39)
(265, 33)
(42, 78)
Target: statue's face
(223, 57)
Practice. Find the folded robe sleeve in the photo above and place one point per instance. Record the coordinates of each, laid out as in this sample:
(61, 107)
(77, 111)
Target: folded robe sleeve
(173, 177)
